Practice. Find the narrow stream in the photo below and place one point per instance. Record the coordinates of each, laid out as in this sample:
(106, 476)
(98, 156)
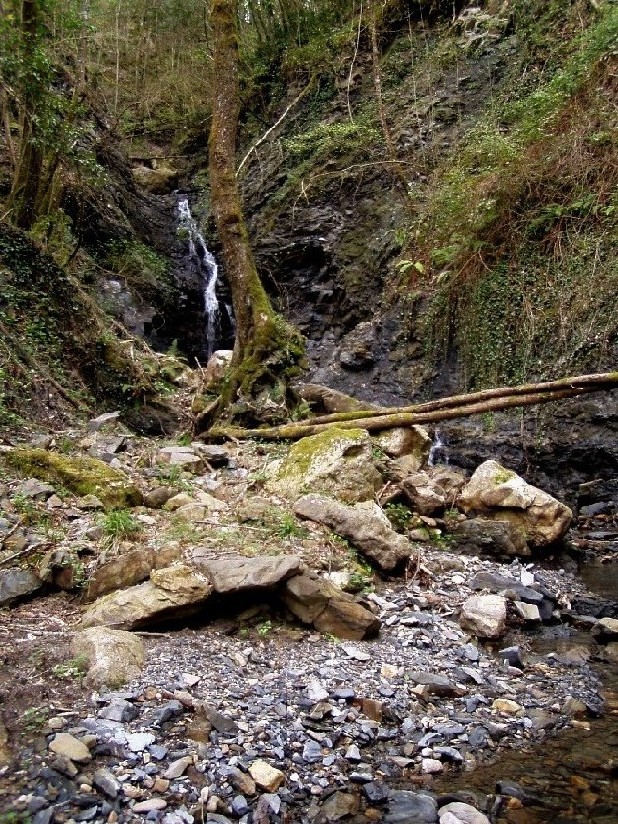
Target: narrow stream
(571, 778)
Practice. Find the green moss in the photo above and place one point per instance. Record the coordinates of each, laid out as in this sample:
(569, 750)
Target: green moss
(82, 476)
(308, 451)
(503, 475)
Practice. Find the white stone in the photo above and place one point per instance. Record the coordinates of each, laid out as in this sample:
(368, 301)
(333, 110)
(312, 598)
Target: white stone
(316, 691)
(149, 805)
(431, 766)
(529, 612)
(461, 813)
(177, 768)
(484, 615)
(138, 741)
(526, 577)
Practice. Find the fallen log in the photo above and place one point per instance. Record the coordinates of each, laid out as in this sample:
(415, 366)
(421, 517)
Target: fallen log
(457, 406)
(588, 383)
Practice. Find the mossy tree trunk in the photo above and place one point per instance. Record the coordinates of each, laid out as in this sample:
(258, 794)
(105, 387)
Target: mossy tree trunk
(268, 352)
(27, 177)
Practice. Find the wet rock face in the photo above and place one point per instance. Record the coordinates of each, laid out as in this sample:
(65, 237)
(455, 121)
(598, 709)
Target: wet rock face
(558, 449)
(324, 240)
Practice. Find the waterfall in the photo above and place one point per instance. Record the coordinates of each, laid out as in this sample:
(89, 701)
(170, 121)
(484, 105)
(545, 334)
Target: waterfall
(439, 450)
(207, 269)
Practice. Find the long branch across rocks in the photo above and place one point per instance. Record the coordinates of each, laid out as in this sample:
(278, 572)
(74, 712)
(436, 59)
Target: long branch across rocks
(455, 406)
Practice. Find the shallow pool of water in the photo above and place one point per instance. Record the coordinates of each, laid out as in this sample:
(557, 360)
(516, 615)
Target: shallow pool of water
(602, 579)
(571, 778)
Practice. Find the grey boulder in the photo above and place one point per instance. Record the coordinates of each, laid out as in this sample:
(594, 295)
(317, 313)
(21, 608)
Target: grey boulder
(363, 524)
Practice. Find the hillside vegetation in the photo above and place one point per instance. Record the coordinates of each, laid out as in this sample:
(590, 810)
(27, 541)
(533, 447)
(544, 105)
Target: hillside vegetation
(445, 173)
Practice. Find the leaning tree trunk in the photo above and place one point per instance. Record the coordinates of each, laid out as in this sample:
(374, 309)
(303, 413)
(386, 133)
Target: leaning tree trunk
(268, 352)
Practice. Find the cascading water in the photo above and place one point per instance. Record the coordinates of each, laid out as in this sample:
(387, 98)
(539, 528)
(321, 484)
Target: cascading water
(207, 268)
(439, 450)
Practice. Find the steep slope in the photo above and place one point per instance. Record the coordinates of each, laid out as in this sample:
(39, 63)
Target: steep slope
(62, 356)
(452, 243)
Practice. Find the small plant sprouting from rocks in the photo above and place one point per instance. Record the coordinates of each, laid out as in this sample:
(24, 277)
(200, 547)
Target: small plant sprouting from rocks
(26, 508)
(119, 523)
(264, 628)
(181, 530)
(172, 475)
(378, 454)
(288, 527)
(361, 577)
(34, 718)
(75, 668)
(399, 515)
(15, 818)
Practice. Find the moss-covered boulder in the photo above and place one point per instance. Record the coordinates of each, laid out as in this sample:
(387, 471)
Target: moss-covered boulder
(336, 461)
(82, 475)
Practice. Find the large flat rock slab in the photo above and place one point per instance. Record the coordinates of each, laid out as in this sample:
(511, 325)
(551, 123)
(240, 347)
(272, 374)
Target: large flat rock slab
(236, 573)
(172, 593)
